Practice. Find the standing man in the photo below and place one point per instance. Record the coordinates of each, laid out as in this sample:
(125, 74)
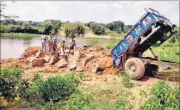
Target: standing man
(43, 43)
(72, 47)
(50, 40)
(54, 44)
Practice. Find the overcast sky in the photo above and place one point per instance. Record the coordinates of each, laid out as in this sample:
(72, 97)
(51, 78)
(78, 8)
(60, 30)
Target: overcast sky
(99, 11)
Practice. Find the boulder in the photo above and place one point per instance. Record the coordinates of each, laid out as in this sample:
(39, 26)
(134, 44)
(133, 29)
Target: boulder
(61, 63)
(73, 61)
(30, 59)
(30, 51)
(53, 59)
(110, 70)
(86, 60)
(39, 54)
(79, 68)
(46, 58)
(102, 62)
(37, 62)
(96, 68)
(109, 62)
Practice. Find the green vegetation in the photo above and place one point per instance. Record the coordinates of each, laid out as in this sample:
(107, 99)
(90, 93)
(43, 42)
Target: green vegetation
(163, 97)
(74, 29)
(70, 29)
(63, 93)
(24, 36)
(10, 81)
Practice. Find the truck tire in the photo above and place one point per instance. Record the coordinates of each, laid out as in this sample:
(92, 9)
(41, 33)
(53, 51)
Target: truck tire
(134, 67)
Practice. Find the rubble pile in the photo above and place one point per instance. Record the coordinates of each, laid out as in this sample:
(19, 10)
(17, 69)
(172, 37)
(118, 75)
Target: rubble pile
(88, 58)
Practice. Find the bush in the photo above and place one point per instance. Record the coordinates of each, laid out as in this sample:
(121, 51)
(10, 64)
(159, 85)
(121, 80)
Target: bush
(73, 30)
(32, 92)
(78, 101)
(58, 88)
(10, 81)
(163, 97)
(53, 89)
(97, 28)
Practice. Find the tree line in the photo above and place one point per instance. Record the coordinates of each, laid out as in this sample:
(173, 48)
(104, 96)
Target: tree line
(53, 26)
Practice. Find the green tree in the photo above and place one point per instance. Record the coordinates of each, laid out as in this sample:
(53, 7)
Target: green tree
(73, 30)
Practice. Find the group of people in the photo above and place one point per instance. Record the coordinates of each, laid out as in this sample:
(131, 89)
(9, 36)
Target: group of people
(52, 43)
(51, 40)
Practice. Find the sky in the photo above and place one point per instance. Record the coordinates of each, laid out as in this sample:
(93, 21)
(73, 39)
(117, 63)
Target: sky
(85, 11)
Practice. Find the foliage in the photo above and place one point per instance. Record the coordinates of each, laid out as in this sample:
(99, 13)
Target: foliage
(23, 36)
(117, 26)
(53, 89)
(97, 28)
(46, 27)
(58, 88)
(78, 101)
(73, 30)
(10, 81)
(163, 97)
(112, 44)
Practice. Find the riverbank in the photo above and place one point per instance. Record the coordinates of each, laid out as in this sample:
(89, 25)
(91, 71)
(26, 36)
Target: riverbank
(24, 36)
(27, 36)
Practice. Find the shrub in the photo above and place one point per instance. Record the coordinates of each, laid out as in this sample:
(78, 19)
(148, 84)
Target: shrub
(163, 97)
(97, 28)
(10, 81)
(78, 101)
(58, 88)
(32, 92)
(73, 30)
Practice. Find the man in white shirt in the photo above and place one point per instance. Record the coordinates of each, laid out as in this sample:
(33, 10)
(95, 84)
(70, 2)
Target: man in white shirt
(43, 43)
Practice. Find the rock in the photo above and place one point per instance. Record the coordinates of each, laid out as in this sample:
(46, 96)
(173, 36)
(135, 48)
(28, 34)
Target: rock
(86, 60)
(39, 54)
(96, 68)
(79, 69)
(37, 62)
(30, 59)
(61, 63)
(30, 51)
(46, 58)
(73, 61)
(102, 62)
(109, 62)
(110, 70)
(53, 59)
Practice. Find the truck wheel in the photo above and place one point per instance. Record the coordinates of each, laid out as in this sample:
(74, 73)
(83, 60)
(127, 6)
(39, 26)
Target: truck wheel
(134, 67)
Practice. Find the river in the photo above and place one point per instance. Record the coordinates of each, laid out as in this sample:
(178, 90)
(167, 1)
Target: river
(14, 48)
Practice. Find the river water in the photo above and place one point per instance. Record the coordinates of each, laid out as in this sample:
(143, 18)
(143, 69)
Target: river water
(14, 48)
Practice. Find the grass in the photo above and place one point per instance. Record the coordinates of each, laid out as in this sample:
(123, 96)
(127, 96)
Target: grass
(24, 36)
(105, 92)
(167, 51)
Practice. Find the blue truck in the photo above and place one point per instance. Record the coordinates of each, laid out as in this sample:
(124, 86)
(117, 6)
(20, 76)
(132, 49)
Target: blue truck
(152, 28)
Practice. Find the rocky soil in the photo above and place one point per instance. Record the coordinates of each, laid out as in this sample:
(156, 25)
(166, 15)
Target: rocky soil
(88, 59)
